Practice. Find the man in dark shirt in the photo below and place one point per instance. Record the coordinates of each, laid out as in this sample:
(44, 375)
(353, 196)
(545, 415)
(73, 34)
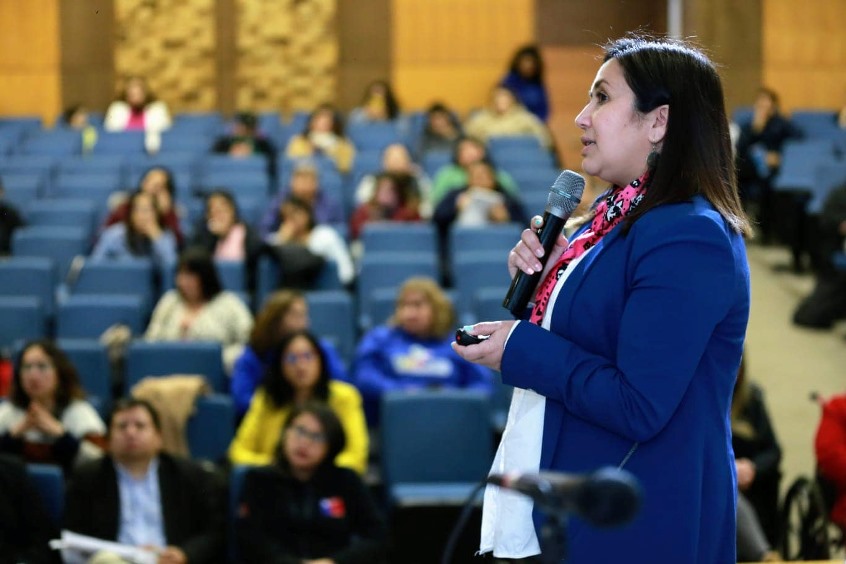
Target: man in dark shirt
(245, 141)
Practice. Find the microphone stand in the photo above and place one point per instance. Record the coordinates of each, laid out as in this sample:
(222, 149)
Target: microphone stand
(553, 538)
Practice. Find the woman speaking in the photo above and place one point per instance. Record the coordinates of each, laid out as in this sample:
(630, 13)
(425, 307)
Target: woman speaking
(628, 356)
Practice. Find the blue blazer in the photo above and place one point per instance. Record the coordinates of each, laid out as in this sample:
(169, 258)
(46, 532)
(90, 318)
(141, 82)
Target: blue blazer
(639, 366)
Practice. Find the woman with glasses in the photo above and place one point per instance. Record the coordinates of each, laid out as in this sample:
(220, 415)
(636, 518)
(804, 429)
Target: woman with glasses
(299, 373)
(304, 508)
(46, 418)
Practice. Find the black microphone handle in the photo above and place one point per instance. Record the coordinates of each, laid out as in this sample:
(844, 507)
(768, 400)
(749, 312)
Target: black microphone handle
(523, 285)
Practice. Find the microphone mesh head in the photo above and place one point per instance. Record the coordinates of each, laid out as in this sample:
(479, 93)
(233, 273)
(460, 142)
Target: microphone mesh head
(565, 194)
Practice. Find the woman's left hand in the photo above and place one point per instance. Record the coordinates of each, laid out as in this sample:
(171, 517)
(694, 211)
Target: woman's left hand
(488, 352)
(44, 421)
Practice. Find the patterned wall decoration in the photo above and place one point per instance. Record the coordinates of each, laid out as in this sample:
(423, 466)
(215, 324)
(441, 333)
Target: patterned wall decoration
(287, 54)
(172, 44)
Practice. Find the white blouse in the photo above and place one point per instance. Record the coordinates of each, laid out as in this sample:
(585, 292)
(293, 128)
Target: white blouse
(507, 526)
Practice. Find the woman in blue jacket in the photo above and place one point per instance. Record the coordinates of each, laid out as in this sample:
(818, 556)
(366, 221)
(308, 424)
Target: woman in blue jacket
(412, 351)
(629, 355)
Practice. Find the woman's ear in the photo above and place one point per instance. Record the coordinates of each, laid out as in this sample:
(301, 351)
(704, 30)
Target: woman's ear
(660, 116)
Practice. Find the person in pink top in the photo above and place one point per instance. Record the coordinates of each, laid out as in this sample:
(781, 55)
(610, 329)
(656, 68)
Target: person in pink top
(224, 235)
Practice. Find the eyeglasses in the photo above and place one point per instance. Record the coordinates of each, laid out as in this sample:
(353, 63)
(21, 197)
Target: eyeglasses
(293, 358)
(40, 366)
(312, 436)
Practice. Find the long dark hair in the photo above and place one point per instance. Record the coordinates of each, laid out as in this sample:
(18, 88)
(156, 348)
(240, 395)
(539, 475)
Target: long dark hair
(138, 243)
(527, 51)
(696, 155)
(68, 388)
(199, 262)
(392, 108)
(330, 426)
(337, 120)
(277, 387)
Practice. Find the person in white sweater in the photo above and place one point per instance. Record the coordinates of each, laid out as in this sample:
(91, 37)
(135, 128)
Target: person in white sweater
(137, 109)
(199, 309)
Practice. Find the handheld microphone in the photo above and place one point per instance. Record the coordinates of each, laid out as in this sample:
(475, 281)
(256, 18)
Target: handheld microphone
(604, 498)
(564, 195)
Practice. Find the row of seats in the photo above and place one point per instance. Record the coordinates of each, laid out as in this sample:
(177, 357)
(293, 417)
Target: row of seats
(42, 258)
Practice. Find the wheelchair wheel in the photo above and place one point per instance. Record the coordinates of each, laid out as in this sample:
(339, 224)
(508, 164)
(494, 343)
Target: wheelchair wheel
(804, 534)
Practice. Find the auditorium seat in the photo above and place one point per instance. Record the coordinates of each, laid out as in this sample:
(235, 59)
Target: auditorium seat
(434, 460)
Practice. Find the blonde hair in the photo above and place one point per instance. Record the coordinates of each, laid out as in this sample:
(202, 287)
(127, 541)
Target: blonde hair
(443, 314)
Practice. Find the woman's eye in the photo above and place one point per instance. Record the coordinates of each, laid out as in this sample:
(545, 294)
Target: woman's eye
(601, 97)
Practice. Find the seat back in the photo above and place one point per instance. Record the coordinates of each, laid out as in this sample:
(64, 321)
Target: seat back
(398, 237)
(60, 244)
(332, 315)
(50, 484)
(211, 428)
(122, 277)
(87, 316)
(29, 276)
(91, 360)
(435, 436)
(163, 358)
(22, 319)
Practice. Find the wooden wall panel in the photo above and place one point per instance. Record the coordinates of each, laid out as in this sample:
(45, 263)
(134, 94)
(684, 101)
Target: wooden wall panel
(172, 44)
(455, 50)
(87, 47)
(364, 37)
(29, 58)
(804, 52)
(731, 33)
(287, 53)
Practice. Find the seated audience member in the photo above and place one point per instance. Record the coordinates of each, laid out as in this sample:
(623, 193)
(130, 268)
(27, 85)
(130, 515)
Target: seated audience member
(25, 526)
(525, 80)
(394, 198)
(396, 160)
(304, 185)
(758, 155)
(46, 418)
(10, 220)
(827, 302)
(304, 508)
(199, 309)
(224, 235)
(323, 136)
(142, 234)
(413, 349)
(506, 116)
(76, 117)
(158, 182)
(482, 202)
(302, 246)
(757, 458)
(378, 104)
(441, 131)
(453, 176)
(285, 311)
(140, 496)
(137, 109)
(299, 373)
(245, 141)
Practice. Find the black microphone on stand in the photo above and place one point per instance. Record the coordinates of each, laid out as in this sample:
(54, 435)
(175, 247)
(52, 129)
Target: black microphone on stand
(564, 195)
(604, 498)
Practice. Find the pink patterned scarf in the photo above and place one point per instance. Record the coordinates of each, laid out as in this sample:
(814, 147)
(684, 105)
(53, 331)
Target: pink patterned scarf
(617, 205)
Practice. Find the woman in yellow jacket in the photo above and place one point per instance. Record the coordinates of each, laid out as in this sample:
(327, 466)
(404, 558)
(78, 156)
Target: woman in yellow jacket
(299, 373)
